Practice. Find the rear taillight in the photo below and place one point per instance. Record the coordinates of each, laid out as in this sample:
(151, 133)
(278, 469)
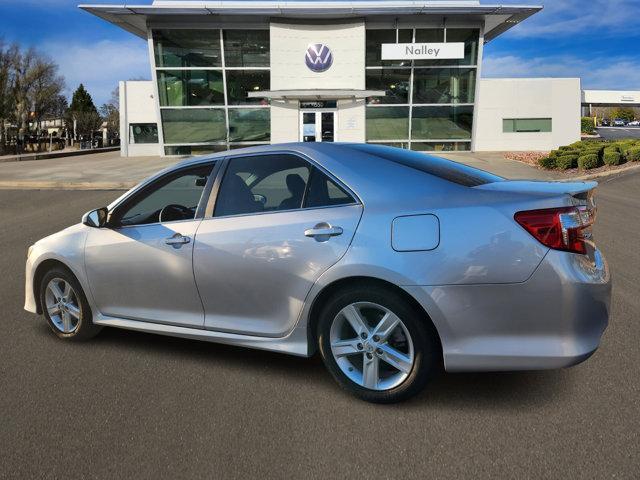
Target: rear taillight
(565, 228)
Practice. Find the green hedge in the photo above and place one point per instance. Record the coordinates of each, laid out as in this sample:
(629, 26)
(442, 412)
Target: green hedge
(566, 162)
(589, 161)
(612, 157)
(586, 126)
(633, 154)
(547, 162)
(629, 150)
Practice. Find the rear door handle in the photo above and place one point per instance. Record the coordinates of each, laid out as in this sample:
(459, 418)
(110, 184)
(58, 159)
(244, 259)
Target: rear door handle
(323, 231)
(177, 240)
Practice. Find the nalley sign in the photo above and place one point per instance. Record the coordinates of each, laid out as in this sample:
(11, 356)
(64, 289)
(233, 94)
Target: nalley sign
(422, 51)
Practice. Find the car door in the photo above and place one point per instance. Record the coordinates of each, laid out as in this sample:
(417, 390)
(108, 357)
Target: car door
(141, 266)
(279, 222)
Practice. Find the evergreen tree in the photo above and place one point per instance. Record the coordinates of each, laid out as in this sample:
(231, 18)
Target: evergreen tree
(82, 101)
(83, 114)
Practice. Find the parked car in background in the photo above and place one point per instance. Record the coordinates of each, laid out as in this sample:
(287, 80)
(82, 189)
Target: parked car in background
(388, 262)
(634, 123)
(619, 122)
(605, 123)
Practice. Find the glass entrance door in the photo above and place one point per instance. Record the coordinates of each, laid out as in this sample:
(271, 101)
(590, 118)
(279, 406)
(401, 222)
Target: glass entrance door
(317, 125)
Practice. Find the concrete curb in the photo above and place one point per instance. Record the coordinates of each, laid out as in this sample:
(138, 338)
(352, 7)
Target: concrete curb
(27, 157)
(605, 174)
(64, 185)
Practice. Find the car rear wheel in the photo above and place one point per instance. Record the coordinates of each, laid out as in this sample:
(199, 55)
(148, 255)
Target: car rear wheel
(65, 306)
(376, 345)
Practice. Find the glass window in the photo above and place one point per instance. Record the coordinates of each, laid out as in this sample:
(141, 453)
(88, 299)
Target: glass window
(394, 144)
(441, 146)
(523, 125)
(324, 192)
(181, 190)
(430, 35)
(246, 48)
(236, 146)
(387, 123)
(444, 85)
(179, 88)
(194, 125)
(143, 133)
(470, 37)
(249, 124)
(375, 39)
(441, 123)
(241, 82)
(187, 48)
(395, 83)
(439, 167)
(262, 183)
(188, 150)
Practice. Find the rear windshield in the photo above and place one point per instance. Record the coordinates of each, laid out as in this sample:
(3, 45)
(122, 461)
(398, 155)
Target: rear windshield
(439, 167)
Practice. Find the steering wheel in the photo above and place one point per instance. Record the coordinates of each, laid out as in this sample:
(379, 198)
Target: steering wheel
(173, 212)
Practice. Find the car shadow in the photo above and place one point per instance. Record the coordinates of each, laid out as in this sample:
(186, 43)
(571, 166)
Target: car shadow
(493, 391)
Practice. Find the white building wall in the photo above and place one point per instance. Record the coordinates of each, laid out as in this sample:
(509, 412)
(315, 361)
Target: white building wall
(289, 42)
(505, 98)
(137, 105)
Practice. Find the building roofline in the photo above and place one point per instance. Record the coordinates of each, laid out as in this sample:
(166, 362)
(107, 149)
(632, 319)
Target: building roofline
(133, 18)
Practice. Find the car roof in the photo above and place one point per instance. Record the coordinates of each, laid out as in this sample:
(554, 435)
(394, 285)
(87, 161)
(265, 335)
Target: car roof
(371, 171)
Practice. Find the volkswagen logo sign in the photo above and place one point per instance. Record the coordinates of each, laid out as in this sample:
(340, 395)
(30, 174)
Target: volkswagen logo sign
(318, 57)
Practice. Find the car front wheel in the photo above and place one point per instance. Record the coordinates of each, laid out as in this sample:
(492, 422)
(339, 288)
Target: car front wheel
(376, 345)
(65, 306)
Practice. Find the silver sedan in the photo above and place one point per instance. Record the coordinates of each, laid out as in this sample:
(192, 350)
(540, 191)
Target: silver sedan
(390, 263)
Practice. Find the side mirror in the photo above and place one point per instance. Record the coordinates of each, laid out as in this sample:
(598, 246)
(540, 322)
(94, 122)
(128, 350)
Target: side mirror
(96, 218)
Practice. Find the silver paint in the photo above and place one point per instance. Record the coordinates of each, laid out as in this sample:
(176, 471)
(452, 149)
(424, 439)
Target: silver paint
(498, 299)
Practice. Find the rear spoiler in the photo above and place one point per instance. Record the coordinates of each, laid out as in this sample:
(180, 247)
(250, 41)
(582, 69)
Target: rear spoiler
(575, 189)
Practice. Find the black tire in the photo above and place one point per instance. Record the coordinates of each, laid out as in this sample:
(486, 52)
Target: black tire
(427, 350)
(85, 328)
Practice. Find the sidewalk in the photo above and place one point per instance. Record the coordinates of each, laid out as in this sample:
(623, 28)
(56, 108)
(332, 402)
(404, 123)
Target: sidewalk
(109, 171)
(96, 171)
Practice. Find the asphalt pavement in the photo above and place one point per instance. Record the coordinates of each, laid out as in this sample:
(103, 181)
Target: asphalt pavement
(619, 133)
(134, 405)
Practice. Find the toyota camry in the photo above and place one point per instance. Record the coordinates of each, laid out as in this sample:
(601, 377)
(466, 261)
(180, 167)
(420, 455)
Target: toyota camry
(389, 263)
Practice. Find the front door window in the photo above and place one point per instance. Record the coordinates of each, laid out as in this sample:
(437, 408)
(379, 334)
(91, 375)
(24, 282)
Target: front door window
(317, 126)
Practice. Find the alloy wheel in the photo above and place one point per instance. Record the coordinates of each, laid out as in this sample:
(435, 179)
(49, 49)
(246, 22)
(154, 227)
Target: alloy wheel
(372, 346)
(62, 305)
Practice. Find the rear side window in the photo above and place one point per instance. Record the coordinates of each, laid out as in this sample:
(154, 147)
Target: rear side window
(262, 183)
(324, 192)
(438, 167)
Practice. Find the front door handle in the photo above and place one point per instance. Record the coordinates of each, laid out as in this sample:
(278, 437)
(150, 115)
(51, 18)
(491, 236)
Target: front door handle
(177, 240)
(323, 231)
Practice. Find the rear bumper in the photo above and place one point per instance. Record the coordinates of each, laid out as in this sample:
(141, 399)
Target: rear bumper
(553, 320)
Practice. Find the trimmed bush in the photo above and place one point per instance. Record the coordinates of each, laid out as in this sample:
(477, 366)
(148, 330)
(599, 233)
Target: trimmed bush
(587, 162)
(612, 157)
(633, 154)
(553, 153)
(566, 148)
(614, 147)
(586, 125)
(547, 162)
(579, 144)
(626, 146)
(566, 162)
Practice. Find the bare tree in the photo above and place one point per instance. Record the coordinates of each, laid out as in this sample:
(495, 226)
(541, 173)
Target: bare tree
(7, 78)
(110, 112)
(35, 89)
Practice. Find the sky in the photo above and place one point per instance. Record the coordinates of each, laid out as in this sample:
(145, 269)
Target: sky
(597, 40)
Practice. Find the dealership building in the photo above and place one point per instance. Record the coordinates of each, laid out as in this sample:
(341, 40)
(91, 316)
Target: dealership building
(228, 74)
